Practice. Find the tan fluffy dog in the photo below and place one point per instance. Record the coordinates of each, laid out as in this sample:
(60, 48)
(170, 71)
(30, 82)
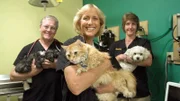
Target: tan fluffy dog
(87, 57)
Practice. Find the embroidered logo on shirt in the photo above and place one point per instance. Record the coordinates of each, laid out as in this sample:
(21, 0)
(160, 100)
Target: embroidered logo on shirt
(118, 49)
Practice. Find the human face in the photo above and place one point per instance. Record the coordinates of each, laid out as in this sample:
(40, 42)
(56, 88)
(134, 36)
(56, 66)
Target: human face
(130, 28)
(48, 29)
(90, 23)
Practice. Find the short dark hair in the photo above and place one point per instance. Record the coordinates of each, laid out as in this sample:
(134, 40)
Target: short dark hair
(132, 17)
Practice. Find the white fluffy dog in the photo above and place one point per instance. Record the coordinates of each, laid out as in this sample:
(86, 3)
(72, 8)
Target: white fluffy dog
(137, 54)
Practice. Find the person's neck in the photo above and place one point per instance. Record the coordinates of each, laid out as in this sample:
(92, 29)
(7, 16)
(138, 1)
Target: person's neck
(89, 40)
(45, 43)
(129, 40)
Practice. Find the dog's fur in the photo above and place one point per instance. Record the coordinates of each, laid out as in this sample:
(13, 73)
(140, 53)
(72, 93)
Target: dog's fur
(87, 57)
(137, 54)
(24, 65)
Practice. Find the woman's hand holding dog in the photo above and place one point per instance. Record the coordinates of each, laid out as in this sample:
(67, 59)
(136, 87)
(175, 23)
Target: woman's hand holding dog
(121, 57)
(124, 57)
(129, 60)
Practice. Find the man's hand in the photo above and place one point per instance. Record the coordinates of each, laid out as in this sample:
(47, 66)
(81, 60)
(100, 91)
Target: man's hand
(48, 64)
(34, 70)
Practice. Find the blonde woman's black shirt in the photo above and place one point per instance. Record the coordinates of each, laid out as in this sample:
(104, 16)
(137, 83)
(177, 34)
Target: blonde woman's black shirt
(62, 63)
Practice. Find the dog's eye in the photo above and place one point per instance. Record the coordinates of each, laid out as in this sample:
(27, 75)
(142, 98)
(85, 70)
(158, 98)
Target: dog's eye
(141, 53)
(75, 53)
(134, 53)
(68, 55)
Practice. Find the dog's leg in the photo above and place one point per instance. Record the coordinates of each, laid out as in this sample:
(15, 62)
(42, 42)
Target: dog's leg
(80, 70)
(122, 87)
(107, 97)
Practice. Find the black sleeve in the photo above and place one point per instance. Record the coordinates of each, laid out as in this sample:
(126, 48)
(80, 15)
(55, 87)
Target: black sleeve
(24, 51)
(62, 61)
(72, 40)
(114, 62)
(147, 45)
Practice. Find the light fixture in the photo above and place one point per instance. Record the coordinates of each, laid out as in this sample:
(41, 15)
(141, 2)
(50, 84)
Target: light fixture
(45, 3)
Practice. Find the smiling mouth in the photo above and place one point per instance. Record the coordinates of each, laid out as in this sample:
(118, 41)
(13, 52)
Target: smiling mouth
(90, 29)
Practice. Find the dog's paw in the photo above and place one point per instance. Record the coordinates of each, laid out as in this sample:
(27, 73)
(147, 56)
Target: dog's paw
(96, 84)
(128, 94)
(107, 97)
(79, 71)
(26, 86)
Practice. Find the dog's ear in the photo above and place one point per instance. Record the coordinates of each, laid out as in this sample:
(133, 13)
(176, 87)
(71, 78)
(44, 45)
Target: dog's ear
(146, 53)
(129, 53)
(64, 47)
(79, 43)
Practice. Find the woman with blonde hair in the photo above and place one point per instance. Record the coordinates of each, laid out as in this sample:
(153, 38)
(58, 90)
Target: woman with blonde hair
(88, 23)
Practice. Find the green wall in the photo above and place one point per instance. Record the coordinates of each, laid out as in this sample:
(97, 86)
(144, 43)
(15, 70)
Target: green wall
(20, 26)
(159, 15)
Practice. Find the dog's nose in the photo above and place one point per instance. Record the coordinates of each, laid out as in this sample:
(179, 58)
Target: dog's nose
(137, 58)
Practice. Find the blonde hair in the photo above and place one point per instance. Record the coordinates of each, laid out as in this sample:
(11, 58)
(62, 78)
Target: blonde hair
(80, 13)
(132, 17)
(52, 18)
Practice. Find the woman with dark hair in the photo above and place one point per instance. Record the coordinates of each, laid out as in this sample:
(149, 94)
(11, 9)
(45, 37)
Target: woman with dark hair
(130, 25)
